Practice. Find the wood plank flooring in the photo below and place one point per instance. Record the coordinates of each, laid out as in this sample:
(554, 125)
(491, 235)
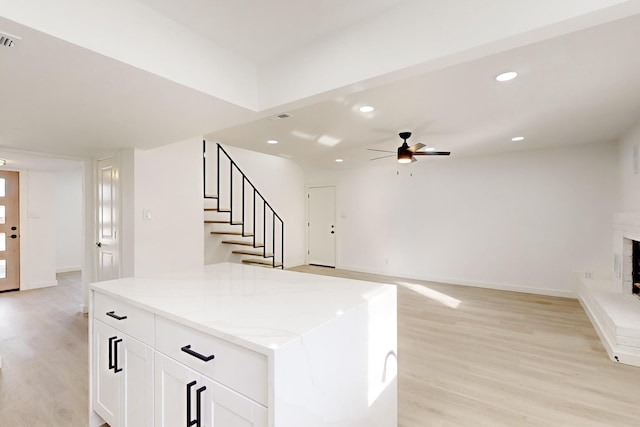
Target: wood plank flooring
(467, 357)
(43, 344)
(478, 357)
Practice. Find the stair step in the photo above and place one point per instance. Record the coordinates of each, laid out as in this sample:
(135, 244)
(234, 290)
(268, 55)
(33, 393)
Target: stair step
(210, 196)
(264, 262)
(233, 233)
(243, 243)
(217, 210)
(252, 253)
(221, 221)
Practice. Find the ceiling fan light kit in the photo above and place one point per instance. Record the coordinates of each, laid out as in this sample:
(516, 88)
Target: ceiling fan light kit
(404, 156)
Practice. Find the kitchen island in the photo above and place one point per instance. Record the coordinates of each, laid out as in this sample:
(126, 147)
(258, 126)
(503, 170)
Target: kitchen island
(231, 345)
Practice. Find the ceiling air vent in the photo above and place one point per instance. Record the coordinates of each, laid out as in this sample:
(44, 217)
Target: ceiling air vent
(7, 40)
(280, 116)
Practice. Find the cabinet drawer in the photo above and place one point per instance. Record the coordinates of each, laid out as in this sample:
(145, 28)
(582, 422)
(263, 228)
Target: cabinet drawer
(125, 317)
(238, 368)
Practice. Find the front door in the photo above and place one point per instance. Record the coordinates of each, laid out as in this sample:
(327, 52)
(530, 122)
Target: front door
(107, 242)
(322, 227)
(9, 231)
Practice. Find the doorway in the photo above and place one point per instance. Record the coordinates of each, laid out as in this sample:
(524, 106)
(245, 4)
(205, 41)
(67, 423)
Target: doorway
(9, 231)
(321, 226)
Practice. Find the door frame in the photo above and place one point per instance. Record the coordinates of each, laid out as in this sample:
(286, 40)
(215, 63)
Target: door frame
(307, 217)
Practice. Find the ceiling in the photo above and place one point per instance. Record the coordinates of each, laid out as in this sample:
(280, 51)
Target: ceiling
(271, 28)
(69, 101)
(574, 89)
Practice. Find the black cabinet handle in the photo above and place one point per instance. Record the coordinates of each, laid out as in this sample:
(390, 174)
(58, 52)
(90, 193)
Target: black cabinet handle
(199, 406)
(111, 364)
(187, 349)
(115, 316)
(115, 356)
(13, 236)
(189, 421)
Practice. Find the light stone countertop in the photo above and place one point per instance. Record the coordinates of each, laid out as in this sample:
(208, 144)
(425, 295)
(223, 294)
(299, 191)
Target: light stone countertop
(258, 308)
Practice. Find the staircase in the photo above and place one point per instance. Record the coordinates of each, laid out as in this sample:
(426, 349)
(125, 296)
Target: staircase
(239, 214)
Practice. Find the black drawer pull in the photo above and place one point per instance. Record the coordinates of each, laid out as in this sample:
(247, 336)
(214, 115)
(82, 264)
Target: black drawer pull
(190, 422)
(199, 406)
(115, 356)
(111, 364)
(115, 316)
(187, 349)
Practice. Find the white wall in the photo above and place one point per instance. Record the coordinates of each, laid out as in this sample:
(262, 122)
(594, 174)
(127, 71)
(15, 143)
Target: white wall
(281, 182)
(629, 170)
(68, 220)
(37, 230)
(523, 221)
(168, 182)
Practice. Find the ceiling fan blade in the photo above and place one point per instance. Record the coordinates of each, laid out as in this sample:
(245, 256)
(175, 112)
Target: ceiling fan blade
(383, 157)
(432, 153)
(413, 159)
(382, 151)
(416, 147)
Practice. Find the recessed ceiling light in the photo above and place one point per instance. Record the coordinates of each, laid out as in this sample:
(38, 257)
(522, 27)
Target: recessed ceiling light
(366, 109)
(272, 141)
(517, 138)
(505, 77)
(3, 162)
(339, 160)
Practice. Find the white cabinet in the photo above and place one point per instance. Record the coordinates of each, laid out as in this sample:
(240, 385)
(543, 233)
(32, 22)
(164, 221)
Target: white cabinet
(236, 346)
(122, 377)
(184, 397)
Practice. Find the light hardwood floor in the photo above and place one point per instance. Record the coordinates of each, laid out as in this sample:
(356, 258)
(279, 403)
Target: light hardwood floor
(488, 358)
(494, 358)
(43, 344)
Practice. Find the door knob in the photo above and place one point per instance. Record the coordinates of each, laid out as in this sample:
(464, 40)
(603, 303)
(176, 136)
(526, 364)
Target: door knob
(98, 244)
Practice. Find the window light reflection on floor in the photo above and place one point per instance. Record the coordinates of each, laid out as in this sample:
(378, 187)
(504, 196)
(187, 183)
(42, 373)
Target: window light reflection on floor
(431, 294)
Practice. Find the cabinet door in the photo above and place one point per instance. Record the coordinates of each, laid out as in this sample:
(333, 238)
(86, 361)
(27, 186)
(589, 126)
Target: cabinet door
(106, 385)
(224, 407)
(175, 385)
(136, 386)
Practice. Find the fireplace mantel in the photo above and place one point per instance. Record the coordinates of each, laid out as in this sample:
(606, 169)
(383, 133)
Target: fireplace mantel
(613, 309)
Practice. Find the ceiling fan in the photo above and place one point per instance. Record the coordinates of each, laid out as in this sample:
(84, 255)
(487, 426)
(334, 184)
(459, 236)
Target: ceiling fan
(406, 154)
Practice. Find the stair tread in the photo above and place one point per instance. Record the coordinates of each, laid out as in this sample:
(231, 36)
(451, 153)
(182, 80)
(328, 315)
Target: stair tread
(210, 196)
(252, 253)
(217, 210)
(232, 233)
(216, 221)
(242, 242)
(261, 262)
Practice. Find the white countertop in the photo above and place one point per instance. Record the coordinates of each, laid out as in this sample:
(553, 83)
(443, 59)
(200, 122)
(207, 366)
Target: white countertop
(257, 307)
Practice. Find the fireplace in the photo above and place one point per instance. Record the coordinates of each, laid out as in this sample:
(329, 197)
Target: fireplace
(613, 305)
(635, 267)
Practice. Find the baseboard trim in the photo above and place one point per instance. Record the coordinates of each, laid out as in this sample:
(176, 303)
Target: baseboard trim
(468, 282)
(38, 285)
(68, 269)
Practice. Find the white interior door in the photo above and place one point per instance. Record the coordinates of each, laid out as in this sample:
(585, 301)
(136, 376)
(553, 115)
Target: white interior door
(322, 226)
(107, 242)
